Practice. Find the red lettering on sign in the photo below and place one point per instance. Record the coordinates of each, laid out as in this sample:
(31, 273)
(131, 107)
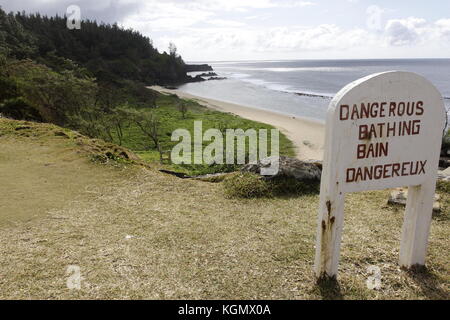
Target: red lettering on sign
(387, 171)
(344, 112)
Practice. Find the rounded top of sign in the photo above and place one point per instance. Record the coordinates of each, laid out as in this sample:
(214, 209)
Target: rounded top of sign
(383, 131)
(387, 77)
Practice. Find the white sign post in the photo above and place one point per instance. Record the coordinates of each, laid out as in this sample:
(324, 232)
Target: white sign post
(383, 131)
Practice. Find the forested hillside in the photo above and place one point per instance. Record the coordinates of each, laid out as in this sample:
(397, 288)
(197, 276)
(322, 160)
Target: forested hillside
(109, 52)
(91, 80)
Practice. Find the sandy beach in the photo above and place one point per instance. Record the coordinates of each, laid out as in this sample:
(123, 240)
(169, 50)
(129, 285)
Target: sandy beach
(307, 135)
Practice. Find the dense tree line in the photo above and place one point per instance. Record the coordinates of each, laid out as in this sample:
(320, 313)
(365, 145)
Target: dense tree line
(108, 51)
(91, 80)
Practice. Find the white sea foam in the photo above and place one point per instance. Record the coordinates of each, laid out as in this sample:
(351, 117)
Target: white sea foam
(294, 69)
(317, 69)
(266, 84)
(235, 75)
(222, 63)
(285, 88)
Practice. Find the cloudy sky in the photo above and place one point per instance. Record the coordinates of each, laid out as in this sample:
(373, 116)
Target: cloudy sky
(213, 30)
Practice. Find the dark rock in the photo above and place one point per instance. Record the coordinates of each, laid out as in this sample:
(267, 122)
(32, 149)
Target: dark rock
(445, 152)
(176, 174)
(317, 163)
(445, 149)
(289, 167)
(22, 128)
(217, 78)
(209, 74)
(311, 95)
(444, 162)
(110, 155)
(124, 155)
(61, 134)
(213, 178)
(198, 67)
(195, 79)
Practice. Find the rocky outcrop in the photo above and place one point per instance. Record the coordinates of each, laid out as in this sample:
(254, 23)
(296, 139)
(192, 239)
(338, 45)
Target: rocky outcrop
(198, 68)
(195, 79)
(444, 162)
(444, 175)
(289, 167)
(217, 78)
(445, 150)
(399, 197)
(209, 74)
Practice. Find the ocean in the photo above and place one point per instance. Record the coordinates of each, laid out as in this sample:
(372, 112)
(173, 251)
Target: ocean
(304, 88)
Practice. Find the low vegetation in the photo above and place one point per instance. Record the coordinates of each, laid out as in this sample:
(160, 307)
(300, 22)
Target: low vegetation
(169, 118)
(248, 186)
(96, 150)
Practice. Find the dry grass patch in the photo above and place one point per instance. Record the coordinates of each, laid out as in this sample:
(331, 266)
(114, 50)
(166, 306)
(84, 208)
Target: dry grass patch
(189, 242)
(139, 234)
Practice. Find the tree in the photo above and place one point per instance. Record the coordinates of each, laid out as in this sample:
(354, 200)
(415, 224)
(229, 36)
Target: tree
(182, 106)
(173, 50)
(15, 40)
(55, 95)
(148, 123)
(120, 120)
(109, 51)
(89, 122)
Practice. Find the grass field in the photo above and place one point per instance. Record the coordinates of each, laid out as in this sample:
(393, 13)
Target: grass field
(136, 233)
(170, 119)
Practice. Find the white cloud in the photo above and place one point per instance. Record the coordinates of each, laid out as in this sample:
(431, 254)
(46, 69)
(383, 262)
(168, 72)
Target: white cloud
(227, 41)
(225, 23)
(408, 31)
(443, 29)
(266, 29)
(374, 18)
(249, 43)
(165, 16)
(234, 5)
(418, 32)
(203, 30)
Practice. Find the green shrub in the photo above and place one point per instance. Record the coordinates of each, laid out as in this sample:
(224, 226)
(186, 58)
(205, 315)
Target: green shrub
(443, 186)
(19, 109)
(248, 185)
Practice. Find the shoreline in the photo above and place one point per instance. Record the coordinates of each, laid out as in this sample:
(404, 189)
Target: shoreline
(308, 136)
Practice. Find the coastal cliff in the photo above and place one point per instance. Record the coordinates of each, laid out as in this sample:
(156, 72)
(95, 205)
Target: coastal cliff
(198, 68)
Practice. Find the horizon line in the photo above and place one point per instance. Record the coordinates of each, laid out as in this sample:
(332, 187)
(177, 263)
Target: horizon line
(312, 59)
